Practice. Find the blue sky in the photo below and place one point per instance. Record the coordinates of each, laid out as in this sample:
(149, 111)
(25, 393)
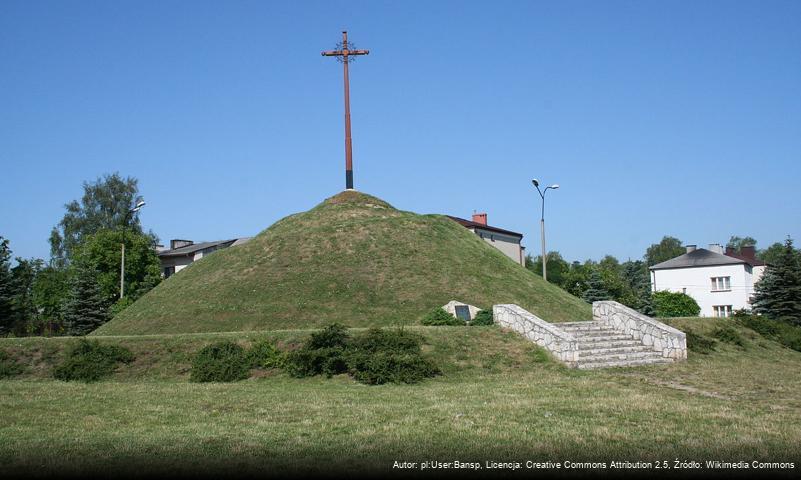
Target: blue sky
(671, 117)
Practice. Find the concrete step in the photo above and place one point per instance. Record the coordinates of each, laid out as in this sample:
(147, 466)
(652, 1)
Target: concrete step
(610, 344)
(604, 357)
(600, 336)
(588, 328)
(624, 363)
(624, 350)
(576, 324)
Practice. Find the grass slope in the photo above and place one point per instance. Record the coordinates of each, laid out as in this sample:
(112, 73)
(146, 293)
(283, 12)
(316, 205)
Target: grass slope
(497, 400)
(352, 259)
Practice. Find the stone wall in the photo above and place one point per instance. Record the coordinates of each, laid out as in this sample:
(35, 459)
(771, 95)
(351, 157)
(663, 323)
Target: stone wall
(561, 344)
(662, 338)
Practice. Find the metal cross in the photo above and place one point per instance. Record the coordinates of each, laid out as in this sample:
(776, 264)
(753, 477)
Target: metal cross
(344, 52)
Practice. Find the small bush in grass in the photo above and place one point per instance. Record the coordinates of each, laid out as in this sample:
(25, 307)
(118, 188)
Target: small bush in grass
(728, 334)
(220, 362)
(699, 343)
(323, 353)
(674, 304)
(265, 354)
(439, 317)
(90, 361)
(784, 333)
(483, 317)
(381, 356)
(8, 366)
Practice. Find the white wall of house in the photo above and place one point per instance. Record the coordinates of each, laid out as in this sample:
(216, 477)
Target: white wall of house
(508, 244)
(697, 283)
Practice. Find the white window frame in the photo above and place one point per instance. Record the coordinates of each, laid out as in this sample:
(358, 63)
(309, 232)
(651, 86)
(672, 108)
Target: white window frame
(721, 284)
(722, 311)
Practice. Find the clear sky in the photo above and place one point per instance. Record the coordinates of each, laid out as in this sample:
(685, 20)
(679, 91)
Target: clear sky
(655, 117)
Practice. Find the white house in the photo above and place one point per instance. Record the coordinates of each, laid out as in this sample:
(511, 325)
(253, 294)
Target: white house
(183, 252)
(506, 241)
(720, 282)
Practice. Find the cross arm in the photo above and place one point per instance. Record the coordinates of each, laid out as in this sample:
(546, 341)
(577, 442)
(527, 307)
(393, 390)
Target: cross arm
(339, 53)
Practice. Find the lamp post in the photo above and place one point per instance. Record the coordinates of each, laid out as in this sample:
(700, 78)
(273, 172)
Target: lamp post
(542, 223)
(128, 214)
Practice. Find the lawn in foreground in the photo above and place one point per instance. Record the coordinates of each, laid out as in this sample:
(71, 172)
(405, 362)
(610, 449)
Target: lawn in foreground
(730, 405)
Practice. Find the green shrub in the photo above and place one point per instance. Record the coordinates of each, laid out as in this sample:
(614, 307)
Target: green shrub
(8, 366)
(439, 317)
(381, 356)
(786, 334)
(323, 353)
(220, 362)
(728, 334)
(699, 343)
(483, 317)
(90, 361)
(674, 304)
(265, 354)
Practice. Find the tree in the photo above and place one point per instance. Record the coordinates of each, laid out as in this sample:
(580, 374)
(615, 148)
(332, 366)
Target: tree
(86, 308)
(737, 243)
(778, 293)
(6, 288)
(142, 265)
(675, 304)
(595, 289)
(773, 253)
(50, 291)
(667, 248)
(104, 205)
(638, 282)
(557, 266)
(576, 278)
(24, 309)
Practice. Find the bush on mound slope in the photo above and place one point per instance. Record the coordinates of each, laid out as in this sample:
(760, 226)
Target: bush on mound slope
(352, 259)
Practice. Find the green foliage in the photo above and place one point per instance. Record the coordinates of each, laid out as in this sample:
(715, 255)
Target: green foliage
(674, 304)
(142, 265)
(439, 317)
(119, 306)
(224, 361)
(50, 292)
(323, 353)
(104, 205)
(6, 289)
(698, 343)
(737, 242)
(90, 361)
(266, 355)
(728, 334)
(8, 366)
(381, 356)
(667, 248)
(374, 357)
(784, 333)
(595, 289)
(774, 253)
(778, 293)
(86, 307)
(483, 317)
(556, 265)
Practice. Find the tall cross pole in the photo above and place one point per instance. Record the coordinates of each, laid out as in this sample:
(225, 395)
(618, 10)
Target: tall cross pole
(344, 53)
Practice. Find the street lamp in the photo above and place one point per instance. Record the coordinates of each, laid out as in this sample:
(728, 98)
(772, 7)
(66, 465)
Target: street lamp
(542, 223)
(128, 214)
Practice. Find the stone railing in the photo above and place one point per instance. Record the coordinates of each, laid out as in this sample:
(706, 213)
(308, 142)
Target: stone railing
(662, 338)
(560, 343)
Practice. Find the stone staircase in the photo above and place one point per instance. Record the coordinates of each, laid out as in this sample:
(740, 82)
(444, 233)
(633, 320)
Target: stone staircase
(601, 346)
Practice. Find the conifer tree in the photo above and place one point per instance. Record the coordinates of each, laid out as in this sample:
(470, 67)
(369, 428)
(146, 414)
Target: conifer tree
(595, 289)
(778, 294)
(86, 307)
(6, 288)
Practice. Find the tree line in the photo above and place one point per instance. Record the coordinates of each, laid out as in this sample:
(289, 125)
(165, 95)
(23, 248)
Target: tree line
(778, 294)
(77, 288)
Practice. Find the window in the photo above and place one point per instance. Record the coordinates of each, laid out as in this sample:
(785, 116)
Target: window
(721, 284)
(168, 271)
(722, 310)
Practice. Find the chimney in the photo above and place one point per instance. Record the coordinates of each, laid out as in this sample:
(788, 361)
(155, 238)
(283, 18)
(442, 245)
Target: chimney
(731, 251)
(690, 248)
(748, 252)
(480, 218)
(177, 243)
(715, 247)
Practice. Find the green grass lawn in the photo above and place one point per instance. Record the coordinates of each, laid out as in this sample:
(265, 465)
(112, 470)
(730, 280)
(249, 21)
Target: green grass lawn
(499, 398)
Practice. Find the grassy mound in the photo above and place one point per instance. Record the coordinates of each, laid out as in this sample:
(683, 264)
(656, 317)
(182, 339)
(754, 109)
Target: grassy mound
(353, 259)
